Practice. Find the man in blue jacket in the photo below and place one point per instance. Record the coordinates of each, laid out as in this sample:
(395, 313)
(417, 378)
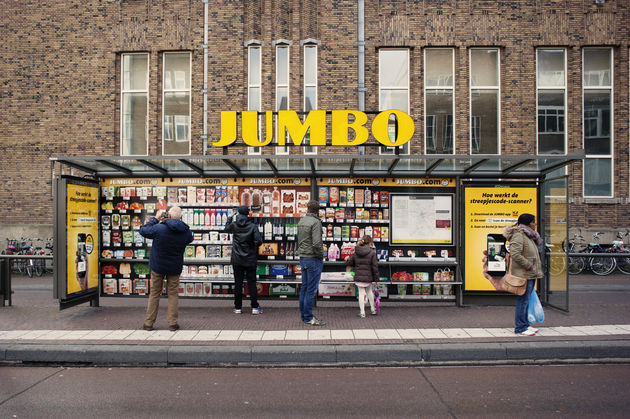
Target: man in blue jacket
(245, 242)
(170, 237)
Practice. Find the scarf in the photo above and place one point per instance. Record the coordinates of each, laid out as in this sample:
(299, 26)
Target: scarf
(532, 234)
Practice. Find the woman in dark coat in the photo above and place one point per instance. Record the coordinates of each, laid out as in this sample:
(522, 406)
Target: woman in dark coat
(365, 265)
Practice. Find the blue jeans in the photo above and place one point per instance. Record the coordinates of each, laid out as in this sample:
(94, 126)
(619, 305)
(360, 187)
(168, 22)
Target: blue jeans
(311, 273)
(522, 302)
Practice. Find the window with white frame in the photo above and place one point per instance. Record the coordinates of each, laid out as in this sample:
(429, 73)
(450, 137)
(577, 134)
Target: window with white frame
(282, 89)
(598, 120)
(438, 100)
(551, 101)
(484, 101)
(176, 104)
(254, 86)
(310, 88)
(393, 88)
(134, 109)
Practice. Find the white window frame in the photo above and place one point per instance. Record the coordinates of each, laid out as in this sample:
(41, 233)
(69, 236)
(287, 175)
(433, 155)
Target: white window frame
(122, 98)
(450, 87)
(282, 150)
(254, 151)
(310, 149)
(612, 124)
(177, 90)
(540, 88)
(496, 87)
(405, 149)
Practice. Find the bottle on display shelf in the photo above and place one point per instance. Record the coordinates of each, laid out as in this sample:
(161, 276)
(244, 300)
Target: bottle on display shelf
(367, 196)
(206, 217)
(281, 249)
(213, 217)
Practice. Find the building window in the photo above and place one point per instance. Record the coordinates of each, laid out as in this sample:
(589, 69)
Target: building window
(282, 89)
(134, 110)
(598, 117)
(254, 87)
(438, 101)
(484, 101)
(176, 100)
(310, 89)
(394, 88)
(551, 101)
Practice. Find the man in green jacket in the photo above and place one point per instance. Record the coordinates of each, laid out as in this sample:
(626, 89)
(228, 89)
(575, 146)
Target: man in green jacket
(311, 251)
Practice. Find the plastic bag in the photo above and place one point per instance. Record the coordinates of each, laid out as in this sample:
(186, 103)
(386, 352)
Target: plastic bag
(535, 313)
(377, 300)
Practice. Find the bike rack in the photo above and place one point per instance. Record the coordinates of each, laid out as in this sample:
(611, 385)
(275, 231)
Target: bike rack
(5, 275)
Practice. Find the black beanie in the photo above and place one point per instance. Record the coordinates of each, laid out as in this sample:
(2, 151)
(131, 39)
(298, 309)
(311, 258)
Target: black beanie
(525, 219)
(243, 210)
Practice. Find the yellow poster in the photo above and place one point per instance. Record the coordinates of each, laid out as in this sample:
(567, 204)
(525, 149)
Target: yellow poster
(82, 233)
(486, 211)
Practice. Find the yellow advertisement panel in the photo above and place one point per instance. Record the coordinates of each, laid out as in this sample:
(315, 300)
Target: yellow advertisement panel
(486, 211)
(82, 238)
(403, 182)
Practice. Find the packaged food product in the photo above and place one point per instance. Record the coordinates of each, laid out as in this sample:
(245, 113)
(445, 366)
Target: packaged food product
(340, 213)
(333, 195)
(323, 195)
(191, 195)
(350, 197)
(210, 195)
(124, 269)
(115, 221)
(107, 235)
(384, 198)
(200, 252)
(375, 197)
(110, 285)
(125, 221)
(343, 197)
(124, 286)
(189, 252)
(330, 212)
(358, 197)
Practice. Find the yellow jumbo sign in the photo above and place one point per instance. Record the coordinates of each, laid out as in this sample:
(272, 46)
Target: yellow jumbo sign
(315, 121)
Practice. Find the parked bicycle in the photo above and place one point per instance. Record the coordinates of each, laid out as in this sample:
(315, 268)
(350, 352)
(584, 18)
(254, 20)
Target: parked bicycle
(576, 264)
(623, 263)
(600, 265)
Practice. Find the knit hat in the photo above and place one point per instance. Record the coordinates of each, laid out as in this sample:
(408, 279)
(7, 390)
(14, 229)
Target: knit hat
(243, 210)
(526, 219)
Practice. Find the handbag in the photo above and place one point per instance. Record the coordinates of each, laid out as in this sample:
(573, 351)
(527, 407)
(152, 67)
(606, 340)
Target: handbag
(512, 283)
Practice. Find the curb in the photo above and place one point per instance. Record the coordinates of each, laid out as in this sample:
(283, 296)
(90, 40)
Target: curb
(315, 355)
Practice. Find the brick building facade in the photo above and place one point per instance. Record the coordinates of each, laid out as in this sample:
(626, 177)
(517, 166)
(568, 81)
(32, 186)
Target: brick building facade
(61, 87)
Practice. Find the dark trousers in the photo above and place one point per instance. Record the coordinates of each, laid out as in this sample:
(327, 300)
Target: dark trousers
(240, 273)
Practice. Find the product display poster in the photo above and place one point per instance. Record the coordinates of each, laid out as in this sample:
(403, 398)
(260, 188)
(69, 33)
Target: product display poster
(82, 238)
(488, 210)
(421, 218)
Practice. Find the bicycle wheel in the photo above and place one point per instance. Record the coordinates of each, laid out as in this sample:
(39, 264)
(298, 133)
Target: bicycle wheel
(39, 267)
(29, 268)
(602, 265)
(556, 265)
(623, 264)
(576, 265)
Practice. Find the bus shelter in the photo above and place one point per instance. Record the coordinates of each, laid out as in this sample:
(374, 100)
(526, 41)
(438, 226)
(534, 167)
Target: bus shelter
(430, 214)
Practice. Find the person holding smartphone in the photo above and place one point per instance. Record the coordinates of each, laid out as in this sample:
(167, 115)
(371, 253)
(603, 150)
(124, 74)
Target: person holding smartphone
(525, 247)
(245, 242)
(170, 237)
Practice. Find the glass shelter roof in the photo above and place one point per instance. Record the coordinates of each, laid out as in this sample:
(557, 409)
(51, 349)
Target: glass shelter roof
(322, 165)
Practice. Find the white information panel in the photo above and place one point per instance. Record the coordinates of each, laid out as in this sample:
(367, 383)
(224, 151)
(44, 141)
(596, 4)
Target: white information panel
(421, 218)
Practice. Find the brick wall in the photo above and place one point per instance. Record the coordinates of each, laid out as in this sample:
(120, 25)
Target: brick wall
(60, 78)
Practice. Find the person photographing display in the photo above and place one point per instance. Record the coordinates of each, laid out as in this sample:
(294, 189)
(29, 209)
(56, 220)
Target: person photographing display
(170, 237)
(245, 241)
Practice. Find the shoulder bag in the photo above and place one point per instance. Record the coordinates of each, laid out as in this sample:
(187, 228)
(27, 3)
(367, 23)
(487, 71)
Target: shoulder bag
(515, 284)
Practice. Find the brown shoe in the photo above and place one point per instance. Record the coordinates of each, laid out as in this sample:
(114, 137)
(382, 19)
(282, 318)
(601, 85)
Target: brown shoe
(173, 327)
(147, 327)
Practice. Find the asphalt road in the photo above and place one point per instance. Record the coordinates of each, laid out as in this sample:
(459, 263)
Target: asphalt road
(515, 391)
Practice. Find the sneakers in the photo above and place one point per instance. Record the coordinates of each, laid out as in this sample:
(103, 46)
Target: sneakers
(237, 311)
(315, 322)
(373, 313)
(533, 328)
(362, 315)
(257, 310)
(528, 332)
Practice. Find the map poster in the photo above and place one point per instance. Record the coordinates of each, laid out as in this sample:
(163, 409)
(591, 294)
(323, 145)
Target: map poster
(488, 210)
(421, 219)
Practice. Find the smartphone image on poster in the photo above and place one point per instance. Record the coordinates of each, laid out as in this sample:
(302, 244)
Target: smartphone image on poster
(497, 253)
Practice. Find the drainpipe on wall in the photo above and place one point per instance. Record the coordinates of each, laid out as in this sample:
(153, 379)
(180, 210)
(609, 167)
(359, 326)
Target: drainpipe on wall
(361, 59)
(205, 77)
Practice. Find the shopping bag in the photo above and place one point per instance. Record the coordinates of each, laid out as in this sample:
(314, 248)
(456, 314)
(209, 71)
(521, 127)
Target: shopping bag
(535, 313)
(377, 300)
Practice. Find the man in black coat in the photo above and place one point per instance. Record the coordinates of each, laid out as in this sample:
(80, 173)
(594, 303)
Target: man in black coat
(245, 242)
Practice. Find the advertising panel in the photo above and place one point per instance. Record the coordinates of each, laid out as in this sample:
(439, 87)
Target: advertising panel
(488, 210)
(422, 219)
(82, 238)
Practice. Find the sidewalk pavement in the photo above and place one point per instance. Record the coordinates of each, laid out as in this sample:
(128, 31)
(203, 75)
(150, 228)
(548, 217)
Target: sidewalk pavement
(34, 331)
